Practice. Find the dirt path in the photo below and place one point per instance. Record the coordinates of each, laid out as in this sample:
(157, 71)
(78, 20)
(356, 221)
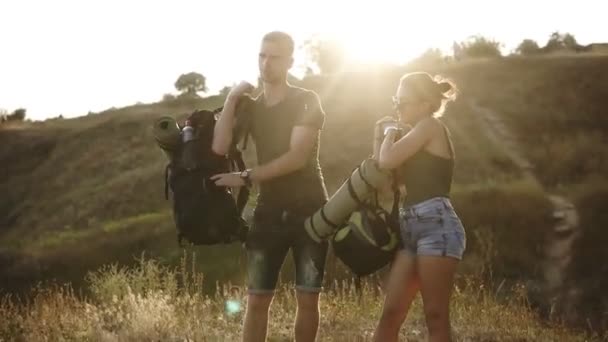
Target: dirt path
(559, 242)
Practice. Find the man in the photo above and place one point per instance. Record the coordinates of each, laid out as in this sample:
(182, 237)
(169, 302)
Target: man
(285, 126)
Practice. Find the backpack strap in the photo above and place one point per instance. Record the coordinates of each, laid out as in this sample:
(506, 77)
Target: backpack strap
(167, 181)
(351, 189)
(246, 134)
(396, 199)
(375, 214)
(235, 155)
(241, 201)
(244, 121)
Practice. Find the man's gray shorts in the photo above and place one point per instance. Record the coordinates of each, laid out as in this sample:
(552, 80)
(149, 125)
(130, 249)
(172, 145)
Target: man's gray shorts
(273, 233)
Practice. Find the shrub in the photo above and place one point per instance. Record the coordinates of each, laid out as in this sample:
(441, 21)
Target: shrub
(506, 225)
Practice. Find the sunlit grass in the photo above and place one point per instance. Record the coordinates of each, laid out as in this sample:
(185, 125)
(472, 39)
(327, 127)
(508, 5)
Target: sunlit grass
(152, 302)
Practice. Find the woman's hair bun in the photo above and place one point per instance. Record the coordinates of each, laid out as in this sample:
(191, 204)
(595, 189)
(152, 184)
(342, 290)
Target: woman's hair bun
(444, 87)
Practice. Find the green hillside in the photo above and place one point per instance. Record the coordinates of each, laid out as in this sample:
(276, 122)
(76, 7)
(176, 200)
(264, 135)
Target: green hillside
(83, 192)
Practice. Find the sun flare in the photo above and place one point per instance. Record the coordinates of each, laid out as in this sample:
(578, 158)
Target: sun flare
(378, 42)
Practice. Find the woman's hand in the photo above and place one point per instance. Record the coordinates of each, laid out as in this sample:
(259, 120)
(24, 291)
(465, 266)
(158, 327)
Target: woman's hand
(379, 134)
(379, 131)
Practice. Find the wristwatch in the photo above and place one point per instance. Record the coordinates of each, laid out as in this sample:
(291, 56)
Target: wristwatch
(246, 176)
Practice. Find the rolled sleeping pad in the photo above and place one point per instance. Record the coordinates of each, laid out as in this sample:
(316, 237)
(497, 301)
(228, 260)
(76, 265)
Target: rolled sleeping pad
(355, 245)
(365, 179)
(166, 132)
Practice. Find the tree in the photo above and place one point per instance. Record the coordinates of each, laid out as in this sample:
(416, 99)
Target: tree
(527, 47)
(328, 55)
(478, 46)
(168, 97)
(431, 56)
(224, 91)
(558, 41)
(18, 115)
(457, 51)
(191, 83)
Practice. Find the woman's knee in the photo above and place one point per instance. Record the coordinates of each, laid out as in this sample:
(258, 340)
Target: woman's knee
(436, 318)
(393, 314)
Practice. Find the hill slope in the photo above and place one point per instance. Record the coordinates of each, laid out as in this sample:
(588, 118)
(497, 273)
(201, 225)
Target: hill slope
(81, 192)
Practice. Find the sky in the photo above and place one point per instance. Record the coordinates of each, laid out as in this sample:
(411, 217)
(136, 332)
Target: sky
(71, 57)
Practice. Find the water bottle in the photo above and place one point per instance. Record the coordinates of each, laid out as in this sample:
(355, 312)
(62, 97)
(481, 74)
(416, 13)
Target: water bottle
(189, 147)
(187, 132)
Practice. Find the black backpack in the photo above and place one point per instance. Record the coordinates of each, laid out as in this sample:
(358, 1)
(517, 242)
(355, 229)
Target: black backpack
(369, 239)
(204, 213)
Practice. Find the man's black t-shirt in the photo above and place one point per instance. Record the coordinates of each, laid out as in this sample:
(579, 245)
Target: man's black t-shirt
(271, 129)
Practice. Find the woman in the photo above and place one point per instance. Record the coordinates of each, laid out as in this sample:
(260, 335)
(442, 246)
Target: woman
(433, 237)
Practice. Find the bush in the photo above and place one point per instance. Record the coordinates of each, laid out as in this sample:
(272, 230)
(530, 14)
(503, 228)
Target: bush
(528, 47)
(558, 41)
(506, 226)
(431, 57)
(588, 270)
(168, 97)
(17, 115)
(478, 46)
(560, 160)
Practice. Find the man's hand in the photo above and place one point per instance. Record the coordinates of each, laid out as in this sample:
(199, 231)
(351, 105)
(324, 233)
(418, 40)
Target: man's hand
(222, 133)
(239, 90)
(232, 180)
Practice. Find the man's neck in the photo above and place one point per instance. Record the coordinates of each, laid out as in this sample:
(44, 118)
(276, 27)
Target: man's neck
(275, 92)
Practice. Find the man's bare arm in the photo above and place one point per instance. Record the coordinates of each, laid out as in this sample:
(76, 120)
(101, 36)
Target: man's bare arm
(222, 133)
(303, 139)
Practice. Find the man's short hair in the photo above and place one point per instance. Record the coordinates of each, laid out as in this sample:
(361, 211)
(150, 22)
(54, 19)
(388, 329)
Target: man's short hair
(281, 38)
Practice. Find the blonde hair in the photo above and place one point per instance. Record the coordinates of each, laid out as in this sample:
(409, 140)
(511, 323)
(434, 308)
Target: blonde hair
(438, 91)
(281, 38)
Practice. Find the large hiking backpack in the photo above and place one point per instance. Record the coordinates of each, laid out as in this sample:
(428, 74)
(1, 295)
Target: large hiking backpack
(369, 239)
(204, 213)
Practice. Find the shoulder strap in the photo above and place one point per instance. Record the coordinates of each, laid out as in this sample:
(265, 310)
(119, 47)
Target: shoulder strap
(236, 158)
(244, 121)
(394, 214)
(167, 181)
(449, 139)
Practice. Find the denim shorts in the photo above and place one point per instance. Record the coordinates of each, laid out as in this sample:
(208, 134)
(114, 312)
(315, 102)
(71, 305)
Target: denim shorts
(273, 233)
(432, 228)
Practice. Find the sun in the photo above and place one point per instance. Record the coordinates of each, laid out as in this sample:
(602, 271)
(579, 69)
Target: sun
(376, 46)
(379, 31)
(367, 50)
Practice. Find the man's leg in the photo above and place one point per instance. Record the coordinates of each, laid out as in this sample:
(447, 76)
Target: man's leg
(256, 317)
(307, 316)
(309, 257)
(266, 250)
